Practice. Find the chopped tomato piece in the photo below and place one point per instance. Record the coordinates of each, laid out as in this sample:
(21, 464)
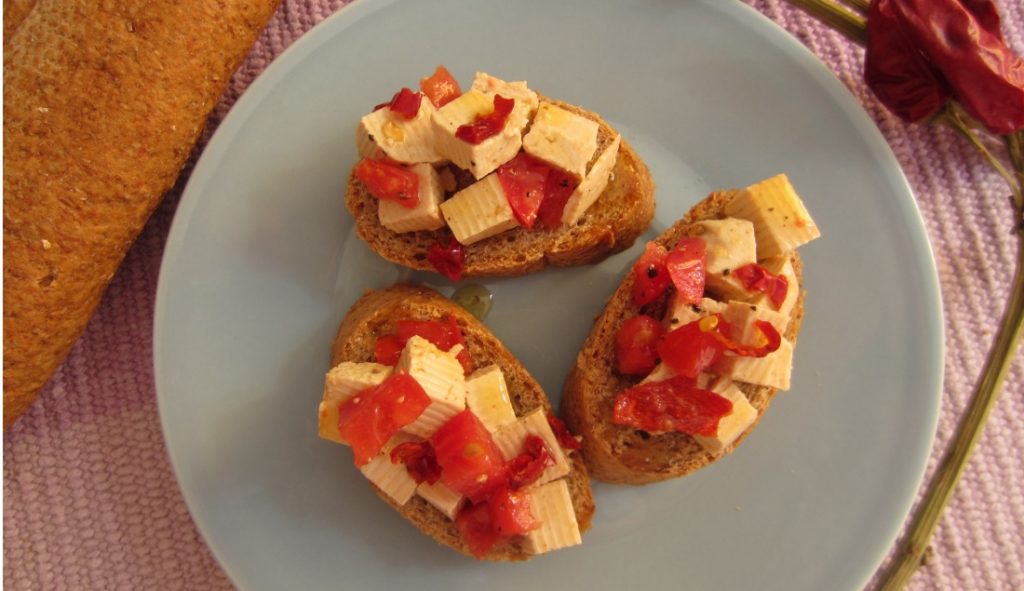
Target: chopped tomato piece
(523, 179)
(419, 459)
(686, 266)
(474, 523)
(769, 338)
(447, 258)
(557, 190)
(388, 349)
(510, 513)
(691, 348)
(636, 345)
(650, 275)
(565, 438)
(370, 418)
(675, 404)
(444, 334)
(405, 103)
(440, 87)
(471, 463)
(527, 467)
(389, 181)
(485, 126)
(754, 277)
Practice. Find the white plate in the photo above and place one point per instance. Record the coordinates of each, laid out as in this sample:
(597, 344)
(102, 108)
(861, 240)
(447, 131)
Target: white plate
(262, 262)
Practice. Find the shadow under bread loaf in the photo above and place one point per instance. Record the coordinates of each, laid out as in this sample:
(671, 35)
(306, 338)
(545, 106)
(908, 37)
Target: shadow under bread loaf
(103, 102)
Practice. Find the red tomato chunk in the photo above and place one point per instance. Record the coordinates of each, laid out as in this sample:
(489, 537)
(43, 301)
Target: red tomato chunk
(526, 468)
(441, 87)
(565, 438)
(756, 278)
(675, 404)
(636, 345)
(691, 348)
(369, 419)
(686, 266)
(471, 463)
(485, 126)
(447, 257)
(419, 459)
(650, 275)
(390, 182)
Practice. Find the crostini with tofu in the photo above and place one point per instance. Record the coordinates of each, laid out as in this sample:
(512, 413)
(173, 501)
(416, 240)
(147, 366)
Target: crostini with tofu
(494, 181)
(696, 340)
(451, 430)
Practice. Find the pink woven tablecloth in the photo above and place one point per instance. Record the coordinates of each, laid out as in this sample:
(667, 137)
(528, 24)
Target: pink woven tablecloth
(90, 501)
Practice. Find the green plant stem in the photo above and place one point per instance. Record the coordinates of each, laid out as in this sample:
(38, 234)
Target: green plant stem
(940, 489)
(837, 16)
(953, 117)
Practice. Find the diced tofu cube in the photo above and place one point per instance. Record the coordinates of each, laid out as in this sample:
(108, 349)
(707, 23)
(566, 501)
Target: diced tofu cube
(426, 215)
(526, 99)
(660, 372)
(391, 478)
(730, 243)
(725, 287)
(781, 221)
(562, 138)
(344, 381)
(479, 211)
(681, 313)
(487, 396)
(409, 141)
(742, 315)
(441, 377)
(444, 499)
(551, 505)
(771, 370)
(593, 184)
(479, 159)
(780, 265)
(733, 424)
(511, 437)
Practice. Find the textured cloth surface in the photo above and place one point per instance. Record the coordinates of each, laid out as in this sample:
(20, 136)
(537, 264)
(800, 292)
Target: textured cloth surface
(90, 501)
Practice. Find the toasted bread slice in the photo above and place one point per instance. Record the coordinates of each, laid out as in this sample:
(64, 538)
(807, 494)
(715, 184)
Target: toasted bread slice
(376, 314)
(626, 455)
(610, 225)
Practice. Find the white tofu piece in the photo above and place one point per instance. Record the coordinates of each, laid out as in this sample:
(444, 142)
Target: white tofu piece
(483, 158)
(409, 141)
(527, 100)
(562, 138)
(444, 499)
(742, 315)
(680, 313)
(593, 184)
(733, 424)
(426, 215)
(393, 479)
(730, 243)
(342, 382)
(725, 287)
(780, 265)
(511, 437)
(781, 221)
(660, 373)
(771, 370)
(479, 211)
(441, 376)
(551, 505)
(487, 396)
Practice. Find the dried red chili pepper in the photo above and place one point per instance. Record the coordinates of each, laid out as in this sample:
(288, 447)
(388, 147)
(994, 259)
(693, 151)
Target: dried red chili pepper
(899, 75)
(965, 44)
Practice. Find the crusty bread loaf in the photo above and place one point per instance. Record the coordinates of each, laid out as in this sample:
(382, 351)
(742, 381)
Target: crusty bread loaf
(609, 226)
(376, 314)
(103, 102)
(616, 453)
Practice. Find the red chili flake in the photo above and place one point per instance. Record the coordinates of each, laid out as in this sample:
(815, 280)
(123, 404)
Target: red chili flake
(756, 278)
(447, 258)
(526, 468)
(485, 126)
(405, 103)
(419, 459)
(561, 431)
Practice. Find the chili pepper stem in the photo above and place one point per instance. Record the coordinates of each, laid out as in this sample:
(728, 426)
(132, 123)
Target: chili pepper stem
(837, 16)
(940, 489)
(952, 117)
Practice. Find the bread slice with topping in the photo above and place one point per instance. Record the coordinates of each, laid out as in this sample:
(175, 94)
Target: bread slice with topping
(611, 224)
(376, 314)
(625, 454)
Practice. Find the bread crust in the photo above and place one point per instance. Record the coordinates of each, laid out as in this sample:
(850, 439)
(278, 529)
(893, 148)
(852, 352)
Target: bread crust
(610, 225)
(615, 453)
(376, 314)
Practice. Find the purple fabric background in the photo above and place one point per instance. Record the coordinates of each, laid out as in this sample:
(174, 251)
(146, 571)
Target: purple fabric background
(90, 501)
